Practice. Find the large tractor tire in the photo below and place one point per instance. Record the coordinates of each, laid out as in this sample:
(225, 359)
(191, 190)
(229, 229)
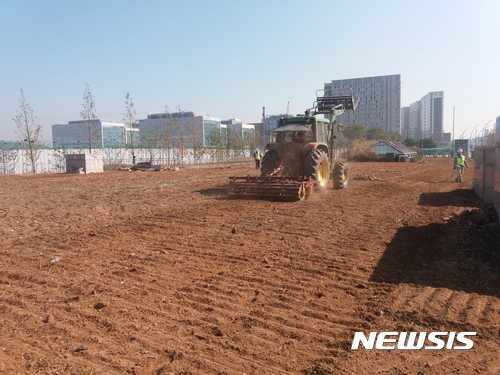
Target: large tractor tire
(340, 175)
(270, 162)
(317, 166)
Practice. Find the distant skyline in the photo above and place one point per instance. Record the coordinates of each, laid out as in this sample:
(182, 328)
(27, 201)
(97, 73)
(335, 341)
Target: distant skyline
(228, 59)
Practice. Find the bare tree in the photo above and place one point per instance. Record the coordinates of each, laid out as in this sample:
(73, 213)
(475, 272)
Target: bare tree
(250, 137)
(171, 132)
(234, 142)
(153, 141)
(30, 133)
(130, 123)
(195, 139)
(92, 132)
(216, 145)
(255, 142)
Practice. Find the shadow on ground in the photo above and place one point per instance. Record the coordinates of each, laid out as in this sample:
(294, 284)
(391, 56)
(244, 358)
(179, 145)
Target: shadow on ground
(459, 198)
(218, 192)
(442, 256)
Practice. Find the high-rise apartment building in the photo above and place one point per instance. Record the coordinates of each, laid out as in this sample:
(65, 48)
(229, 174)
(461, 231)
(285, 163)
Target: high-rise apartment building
(405, 122)
(414, 121)
(425, 119)
(380, 104)
(432, 114)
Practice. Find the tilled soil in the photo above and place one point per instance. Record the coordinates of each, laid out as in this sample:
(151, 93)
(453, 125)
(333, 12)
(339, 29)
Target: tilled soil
(162, 273)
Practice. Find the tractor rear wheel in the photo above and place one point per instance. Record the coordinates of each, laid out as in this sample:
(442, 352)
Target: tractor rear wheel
(270, 162)
(340, 175)
(317, 166)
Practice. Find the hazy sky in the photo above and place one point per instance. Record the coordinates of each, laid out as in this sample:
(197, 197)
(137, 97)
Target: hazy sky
(229, 59)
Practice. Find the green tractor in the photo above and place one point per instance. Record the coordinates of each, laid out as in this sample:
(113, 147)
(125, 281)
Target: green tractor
(302, 155)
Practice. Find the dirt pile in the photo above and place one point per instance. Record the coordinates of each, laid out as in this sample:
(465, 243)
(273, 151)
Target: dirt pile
(366, 178)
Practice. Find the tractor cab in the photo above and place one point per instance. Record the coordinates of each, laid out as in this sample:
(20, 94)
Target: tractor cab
(305, 130)
(294, 133)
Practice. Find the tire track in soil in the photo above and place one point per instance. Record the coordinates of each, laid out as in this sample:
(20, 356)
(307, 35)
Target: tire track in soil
(283, 294)
(201, 300)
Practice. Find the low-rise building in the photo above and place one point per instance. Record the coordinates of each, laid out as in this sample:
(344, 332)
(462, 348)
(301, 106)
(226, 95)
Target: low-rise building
(243, 134)
(187, 128)
(96, 133)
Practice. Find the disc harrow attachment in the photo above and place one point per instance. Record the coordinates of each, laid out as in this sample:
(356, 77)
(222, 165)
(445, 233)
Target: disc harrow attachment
(270, 187)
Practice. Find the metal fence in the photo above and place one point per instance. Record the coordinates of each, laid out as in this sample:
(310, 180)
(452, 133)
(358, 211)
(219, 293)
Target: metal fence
(14, 161)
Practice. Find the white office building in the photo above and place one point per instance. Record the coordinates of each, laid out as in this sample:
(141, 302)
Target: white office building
(184, 129)
(103, 134)
(240, 131)
(380, 104)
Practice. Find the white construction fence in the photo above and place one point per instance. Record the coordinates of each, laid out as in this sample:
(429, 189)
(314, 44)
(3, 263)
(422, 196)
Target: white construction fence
(54, 160)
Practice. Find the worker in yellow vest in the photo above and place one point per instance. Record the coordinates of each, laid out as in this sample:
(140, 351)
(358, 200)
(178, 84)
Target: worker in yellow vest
(256, 156)
(459, 164)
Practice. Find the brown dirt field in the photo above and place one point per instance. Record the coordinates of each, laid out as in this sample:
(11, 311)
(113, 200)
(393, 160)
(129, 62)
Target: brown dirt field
(161, 273)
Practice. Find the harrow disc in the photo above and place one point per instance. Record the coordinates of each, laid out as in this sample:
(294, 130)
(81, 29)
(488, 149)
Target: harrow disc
(270, 187)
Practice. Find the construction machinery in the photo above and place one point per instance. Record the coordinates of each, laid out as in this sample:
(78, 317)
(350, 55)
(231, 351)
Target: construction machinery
(301, 158)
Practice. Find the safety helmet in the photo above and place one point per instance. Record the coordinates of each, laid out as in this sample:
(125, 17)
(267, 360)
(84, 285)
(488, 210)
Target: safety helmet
(460, 151)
